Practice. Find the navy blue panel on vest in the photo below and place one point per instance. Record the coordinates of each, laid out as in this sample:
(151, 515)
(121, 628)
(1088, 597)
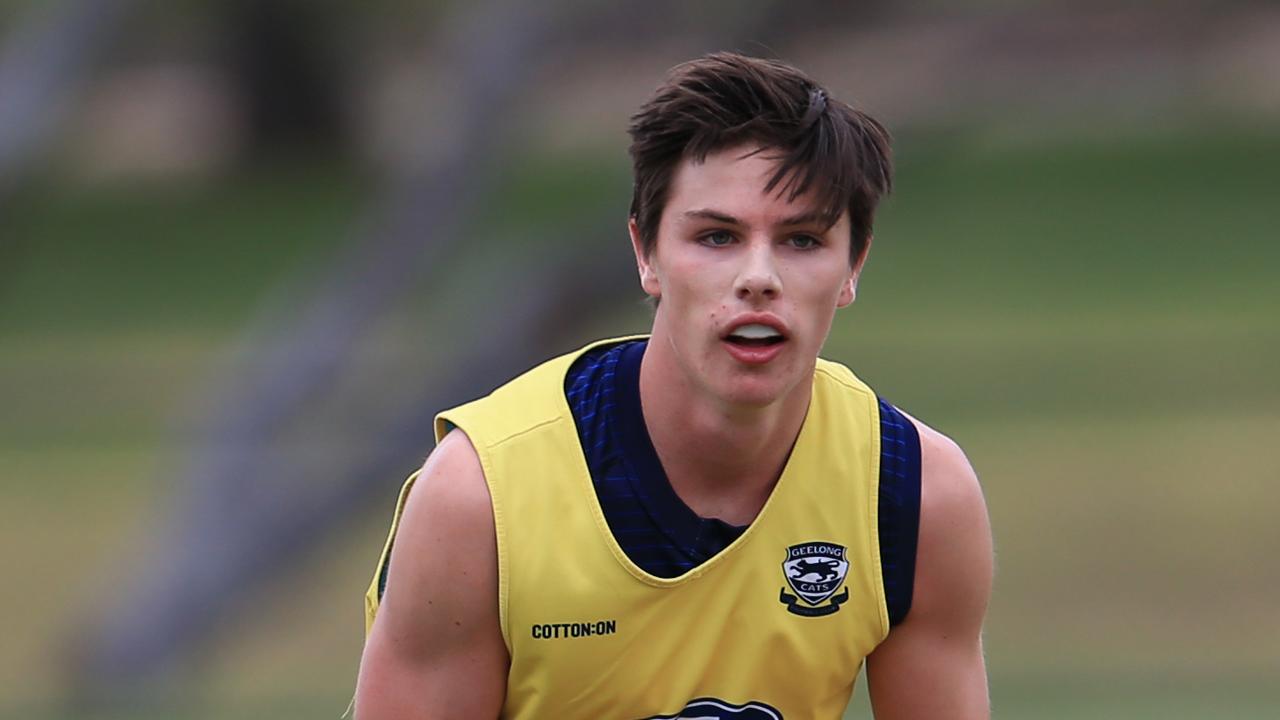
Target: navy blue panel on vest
(899, 510)
(651, 523)
(658, 532)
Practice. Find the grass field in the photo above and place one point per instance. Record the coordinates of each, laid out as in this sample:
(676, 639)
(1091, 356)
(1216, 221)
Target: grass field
(1094, 319)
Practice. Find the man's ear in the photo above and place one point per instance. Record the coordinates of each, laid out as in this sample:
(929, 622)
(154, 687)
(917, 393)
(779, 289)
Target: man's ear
(648, 278)
(849, 290)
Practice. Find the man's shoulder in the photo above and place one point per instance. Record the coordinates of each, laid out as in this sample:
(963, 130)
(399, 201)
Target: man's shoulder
(947, 478)
(449, 490)
(946, 472)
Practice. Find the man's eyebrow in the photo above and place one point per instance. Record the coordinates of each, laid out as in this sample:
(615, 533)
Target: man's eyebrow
(812, 217)
(713, 215)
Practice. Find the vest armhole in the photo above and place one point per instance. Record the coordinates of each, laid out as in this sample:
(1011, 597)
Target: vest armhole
(899, 509)
(373, 597)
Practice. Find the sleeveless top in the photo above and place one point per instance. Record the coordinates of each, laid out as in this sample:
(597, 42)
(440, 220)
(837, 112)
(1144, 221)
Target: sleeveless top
(775, 625)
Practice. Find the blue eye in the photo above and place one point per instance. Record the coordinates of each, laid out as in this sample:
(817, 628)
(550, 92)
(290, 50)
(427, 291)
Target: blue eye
(804, 242)
(718, 238)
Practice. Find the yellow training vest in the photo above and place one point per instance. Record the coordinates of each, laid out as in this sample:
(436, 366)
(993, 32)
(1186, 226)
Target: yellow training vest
(774, 626)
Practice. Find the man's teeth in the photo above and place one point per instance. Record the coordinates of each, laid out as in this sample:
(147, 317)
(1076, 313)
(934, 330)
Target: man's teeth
(755, 332)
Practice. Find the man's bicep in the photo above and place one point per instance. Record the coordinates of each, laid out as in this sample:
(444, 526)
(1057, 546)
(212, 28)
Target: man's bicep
(436, 649)
(931, 665)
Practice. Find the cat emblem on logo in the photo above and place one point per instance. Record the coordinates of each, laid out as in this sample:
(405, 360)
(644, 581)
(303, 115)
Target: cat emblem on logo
(814, 572)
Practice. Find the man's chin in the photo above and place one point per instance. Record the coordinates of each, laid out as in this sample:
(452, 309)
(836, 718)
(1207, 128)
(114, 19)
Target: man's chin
(754, 392)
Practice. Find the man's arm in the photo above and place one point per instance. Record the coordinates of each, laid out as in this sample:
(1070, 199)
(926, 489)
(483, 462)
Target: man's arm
(931, 665)
(435, 649)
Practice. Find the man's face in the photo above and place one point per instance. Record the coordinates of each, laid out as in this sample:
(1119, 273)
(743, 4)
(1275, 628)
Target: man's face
(748, 281)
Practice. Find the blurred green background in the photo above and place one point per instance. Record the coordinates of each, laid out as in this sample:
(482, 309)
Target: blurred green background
(1074, 278)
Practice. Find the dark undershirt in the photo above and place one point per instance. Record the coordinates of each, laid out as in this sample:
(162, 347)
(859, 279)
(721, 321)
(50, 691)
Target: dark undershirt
(652, 524)
(654, 527)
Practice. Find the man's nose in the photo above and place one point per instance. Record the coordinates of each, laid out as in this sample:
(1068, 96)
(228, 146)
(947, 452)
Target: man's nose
(758, 279)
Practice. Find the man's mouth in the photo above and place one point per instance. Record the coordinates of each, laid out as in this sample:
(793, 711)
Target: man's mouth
(754, 335)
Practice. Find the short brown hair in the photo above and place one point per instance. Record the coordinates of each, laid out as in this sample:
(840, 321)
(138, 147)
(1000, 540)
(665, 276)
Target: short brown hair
(726, 99)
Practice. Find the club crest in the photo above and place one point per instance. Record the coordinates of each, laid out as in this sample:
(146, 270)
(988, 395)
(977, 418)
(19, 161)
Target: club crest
(814, 571)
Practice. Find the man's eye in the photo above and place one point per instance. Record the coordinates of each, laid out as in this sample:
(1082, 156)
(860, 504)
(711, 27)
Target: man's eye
(804, 242)
(718, 238)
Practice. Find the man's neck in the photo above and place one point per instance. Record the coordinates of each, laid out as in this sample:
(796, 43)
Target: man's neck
(723, 460)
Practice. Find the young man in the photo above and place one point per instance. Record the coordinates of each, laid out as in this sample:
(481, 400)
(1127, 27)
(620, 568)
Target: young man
(710, 522)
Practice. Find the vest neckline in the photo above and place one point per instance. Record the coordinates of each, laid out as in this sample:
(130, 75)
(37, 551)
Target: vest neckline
(586, 488)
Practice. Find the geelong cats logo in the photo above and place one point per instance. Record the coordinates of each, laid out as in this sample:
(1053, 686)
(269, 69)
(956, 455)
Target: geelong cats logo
(814, 571)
